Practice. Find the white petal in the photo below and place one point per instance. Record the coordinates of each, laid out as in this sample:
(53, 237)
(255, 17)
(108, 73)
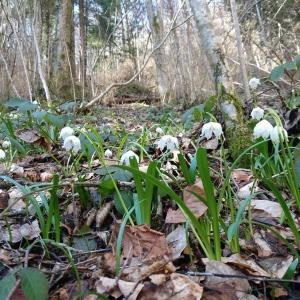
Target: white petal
(66, 132)
(257, 113)
(2, 154)
(125, 158)
(262, 129)
(278, 133)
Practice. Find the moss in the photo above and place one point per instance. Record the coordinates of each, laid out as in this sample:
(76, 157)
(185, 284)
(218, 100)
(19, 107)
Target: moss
(238, 131)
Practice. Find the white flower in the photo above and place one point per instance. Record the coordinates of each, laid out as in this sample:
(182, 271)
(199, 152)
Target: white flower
(72, 143)
(257, 113)
(35, 102)
(66, 132)
(159, 130)
(278, 133)
(108, 153)
(126, 156)
(262, 129)
(211, 128)
(169, 142)
(6, 144)
(254, 83)
(2, 154)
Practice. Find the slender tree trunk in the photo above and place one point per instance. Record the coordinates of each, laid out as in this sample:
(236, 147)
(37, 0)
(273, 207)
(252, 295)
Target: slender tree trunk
(83, 44)
(156, 24)
(208, 42)
(64, 68)
(239, 46)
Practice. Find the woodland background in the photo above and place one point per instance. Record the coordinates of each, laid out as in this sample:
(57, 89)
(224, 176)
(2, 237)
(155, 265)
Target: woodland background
(62, 50)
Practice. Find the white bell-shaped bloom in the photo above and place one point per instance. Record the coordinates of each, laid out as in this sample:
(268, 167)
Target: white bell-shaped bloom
(211, 128)
(72, 143)
(6, 144)
(257, 113)
(169, 142)
(2, 154)
(108, 153)
(66, 132)
(262, 129)
(159, 130)
(278, 133)
(125, 158)
(254, 83)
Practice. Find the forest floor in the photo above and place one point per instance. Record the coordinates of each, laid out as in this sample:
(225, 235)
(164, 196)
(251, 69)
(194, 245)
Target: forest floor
(181, 224)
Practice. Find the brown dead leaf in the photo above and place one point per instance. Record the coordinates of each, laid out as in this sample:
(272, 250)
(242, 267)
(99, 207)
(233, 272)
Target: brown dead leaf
(142, 242)
(177, 241)
(266, 211)
(247, 190)
(175, 287)
(228, 288)
(241, 177)
(46, 176)
(29, 136)
(263, 248)
(17, 232)
(210, 144)
(246, 264)
(197, 207)
(117, 288)
(276, 266)
(14, 193)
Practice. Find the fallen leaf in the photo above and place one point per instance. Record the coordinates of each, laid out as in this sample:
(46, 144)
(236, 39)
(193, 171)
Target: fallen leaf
(177, 241)
(142, 242)
(17, 232)
(210, 144)
(246, 264)
(241, 177)
(117, 288)
(276, 266)
(175, 286)
(28, 135)
(247, 190)
(19, 206)
(197, 207)
(4, 197)
(266, 211)
(263, 248)
(228, 288)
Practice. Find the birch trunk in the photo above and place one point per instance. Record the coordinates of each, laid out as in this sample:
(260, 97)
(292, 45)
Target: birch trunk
(239, 46)
(157, 29)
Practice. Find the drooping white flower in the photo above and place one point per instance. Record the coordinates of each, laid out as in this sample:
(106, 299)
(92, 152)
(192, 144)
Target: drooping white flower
(169, 142)
(211, 128)
(35, 102)
(66, 132)
(254, 83)
(125, 158)
(278, 133)
(2, 154)
(108, 153)
(72, 143)
(257, 113)
(262, 129)
(159, 130)
(6, 144)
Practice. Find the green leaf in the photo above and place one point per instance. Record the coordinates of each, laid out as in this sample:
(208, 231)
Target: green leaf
(185, 170)
(6, 285)
(34, 284)
(277, 72)
(297, 61)
(297, 163)
(289, 274)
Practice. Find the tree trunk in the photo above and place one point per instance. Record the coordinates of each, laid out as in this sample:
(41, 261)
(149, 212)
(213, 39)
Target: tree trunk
(239, 46)
(64, 68)
(208, 42)
(156, 25)
(83, 44)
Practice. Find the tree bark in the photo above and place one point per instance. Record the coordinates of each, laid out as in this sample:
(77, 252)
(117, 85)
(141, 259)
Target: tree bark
(156, 25)
(83, 44)
(239, 46)
(64, 68)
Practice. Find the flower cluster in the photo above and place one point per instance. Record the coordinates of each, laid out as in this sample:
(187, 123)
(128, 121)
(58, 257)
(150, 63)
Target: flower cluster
(70, 142)
(5, 145)
(265, 130)
(254, 83)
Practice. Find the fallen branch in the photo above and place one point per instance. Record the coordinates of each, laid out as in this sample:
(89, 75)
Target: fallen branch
(113, 85)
